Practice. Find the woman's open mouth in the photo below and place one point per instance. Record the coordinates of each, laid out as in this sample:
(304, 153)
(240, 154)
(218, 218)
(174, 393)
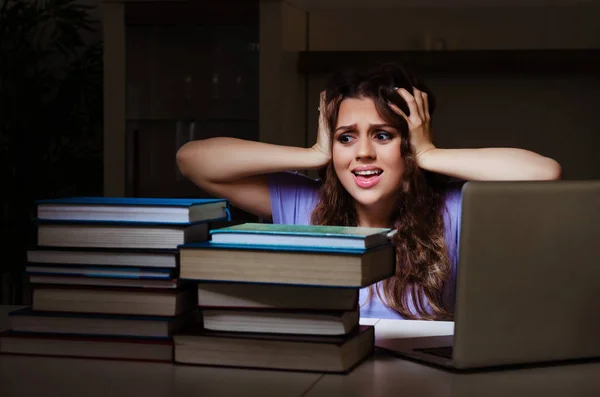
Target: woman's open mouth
(367, 178)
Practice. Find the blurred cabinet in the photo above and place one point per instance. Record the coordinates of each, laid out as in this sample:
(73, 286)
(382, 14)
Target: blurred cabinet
(175, 71)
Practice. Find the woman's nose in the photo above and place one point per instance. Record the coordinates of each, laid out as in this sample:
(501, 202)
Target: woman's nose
(365, 150)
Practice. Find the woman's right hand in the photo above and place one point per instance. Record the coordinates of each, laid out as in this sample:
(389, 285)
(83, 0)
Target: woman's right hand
(323, 145)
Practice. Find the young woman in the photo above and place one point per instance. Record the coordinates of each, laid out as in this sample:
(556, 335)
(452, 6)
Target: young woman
(379, 168)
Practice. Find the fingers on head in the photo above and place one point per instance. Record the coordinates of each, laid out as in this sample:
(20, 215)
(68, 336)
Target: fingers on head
(397, 110)
(411, 102)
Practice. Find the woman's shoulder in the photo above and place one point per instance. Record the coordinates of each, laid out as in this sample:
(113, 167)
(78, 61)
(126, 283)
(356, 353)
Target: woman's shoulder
(294, 179)
(453, 194)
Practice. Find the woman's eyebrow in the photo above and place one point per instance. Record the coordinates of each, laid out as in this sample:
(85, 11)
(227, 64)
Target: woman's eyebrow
(345, 127)
(379, 126)
(353, 127)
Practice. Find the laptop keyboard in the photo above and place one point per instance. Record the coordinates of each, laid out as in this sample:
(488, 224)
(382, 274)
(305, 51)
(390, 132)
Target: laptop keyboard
(443, 351)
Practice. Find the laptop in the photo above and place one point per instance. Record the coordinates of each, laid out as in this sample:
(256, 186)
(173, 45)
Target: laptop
(528, 282)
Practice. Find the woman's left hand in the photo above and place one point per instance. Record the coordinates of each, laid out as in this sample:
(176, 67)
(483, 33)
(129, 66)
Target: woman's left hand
(419, 120)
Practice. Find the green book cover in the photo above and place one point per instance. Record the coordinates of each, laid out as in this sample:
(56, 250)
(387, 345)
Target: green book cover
(303, 230)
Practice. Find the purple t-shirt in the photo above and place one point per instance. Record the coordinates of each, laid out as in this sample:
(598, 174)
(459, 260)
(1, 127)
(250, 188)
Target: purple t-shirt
(294, 196)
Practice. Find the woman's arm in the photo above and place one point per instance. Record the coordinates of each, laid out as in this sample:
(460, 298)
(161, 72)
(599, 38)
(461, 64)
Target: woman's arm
(236, 169)
(225, 160)
(489, 164)
(470, 164)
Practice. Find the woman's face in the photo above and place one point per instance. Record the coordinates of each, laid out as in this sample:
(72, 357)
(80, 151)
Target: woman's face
(366, 153)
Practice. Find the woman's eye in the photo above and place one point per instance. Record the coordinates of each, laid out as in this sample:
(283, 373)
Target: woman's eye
(383, 136)
(345, 138)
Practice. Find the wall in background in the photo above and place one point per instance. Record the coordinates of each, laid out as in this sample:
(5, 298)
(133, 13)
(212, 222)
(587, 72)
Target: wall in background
(282, 90)
(460, 28)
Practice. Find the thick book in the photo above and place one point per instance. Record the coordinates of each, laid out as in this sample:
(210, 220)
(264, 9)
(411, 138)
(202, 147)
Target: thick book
(131, 209)
(143, 258)
(301, 235)
(119, 235)
(335, 354)
(30, 321)
(100, 272)
(131, 349)
(113, 300)
(281, 322)
(219, 295)
(107, 282)
(286, 265)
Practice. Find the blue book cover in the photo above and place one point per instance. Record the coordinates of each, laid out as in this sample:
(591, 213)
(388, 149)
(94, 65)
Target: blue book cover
(131, 201)
(157, 251)
(280, 248)
(130, 223)
(99, 272)
(131, 210)
(302, 235)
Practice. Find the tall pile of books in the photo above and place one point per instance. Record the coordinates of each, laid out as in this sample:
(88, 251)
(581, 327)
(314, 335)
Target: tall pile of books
(283, 296)
(105, 277)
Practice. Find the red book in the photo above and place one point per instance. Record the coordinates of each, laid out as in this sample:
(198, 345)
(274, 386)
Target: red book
(137, 349)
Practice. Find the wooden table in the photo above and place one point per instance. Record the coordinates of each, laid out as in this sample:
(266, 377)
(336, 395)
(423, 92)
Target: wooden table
(381, 375)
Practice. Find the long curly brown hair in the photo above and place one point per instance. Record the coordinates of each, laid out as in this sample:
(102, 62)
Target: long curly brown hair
(422, 263)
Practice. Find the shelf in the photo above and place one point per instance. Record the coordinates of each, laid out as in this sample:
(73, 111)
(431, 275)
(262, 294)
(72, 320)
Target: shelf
(205, 13)
(188, 120)
(471, 62)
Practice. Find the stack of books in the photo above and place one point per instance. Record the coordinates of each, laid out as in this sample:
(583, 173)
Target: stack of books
(105, 277)
(283, 296)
